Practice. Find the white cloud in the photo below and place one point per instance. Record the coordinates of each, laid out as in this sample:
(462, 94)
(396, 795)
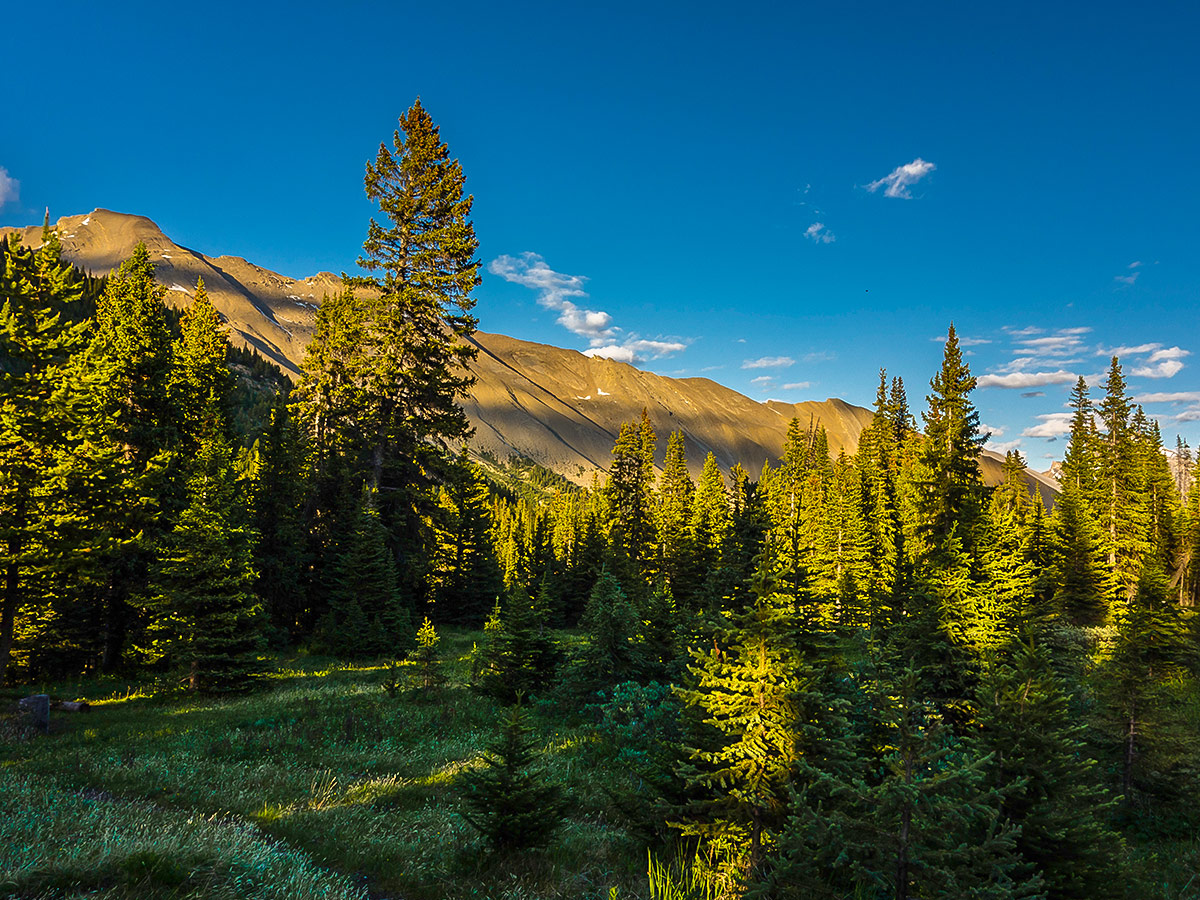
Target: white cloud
(819, 234)
(993, 430)
(1004, 446)
(635, 350)
(10, 188)
(1169, 353)
(1127, 279)
(763, 380)
(1026, 379)
(897, 183)
(1135, 264)
(1051, 425)
(1168, 368)
(798, 386)
(1169, 397)
(555, 290)
(769, 362)
(613, 351)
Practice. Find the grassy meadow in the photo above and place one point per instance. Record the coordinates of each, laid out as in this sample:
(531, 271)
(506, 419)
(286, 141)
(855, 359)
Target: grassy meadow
(317, 785)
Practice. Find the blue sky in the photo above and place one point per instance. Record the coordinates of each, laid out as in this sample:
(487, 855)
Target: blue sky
(781, 197)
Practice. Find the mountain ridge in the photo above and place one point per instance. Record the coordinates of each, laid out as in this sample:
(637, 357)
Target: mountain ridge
(555, 406)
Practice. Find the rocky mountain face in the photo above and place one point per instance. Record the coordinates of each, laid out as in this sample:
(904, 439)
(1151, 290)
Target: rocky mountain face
(556, 407)
(265, 311)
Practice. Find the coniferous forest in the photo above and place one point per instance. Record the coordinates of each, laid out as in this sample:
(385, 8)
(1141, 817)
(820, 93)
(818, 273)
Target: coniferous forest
(435, 673)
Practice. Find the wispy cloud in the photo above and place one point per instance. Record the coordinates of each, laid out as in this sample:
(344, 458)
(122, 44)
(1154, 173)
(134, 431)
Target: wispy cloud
(555, 291)
(763, 380)
(993, 430)
(819, 234)
(820, 356)
(798, 386)
(10, 188)
(900, 179)
(768, 362)
(1065, 342)
(1051, 425)
(963, 341)
(1136, 264)
(1168, 397)
(1127, 279)
(1026, 379)
(1004, 446)
(1027, 331)
(1034, 394)
(1135, 350)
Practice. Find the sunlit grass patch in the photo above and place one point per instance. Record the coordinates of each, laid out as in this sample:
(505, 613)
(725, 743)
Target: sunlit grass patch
(60, 843)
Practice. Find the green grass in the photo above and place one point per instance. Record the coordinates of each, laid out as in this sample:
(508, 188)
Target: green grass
(316, 785)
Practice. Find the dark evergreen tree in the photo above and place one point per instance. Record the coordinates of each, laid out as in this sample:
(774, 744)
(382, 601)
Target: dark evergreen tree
(1154, 646)
(630, 497)
(367, 616)
(675, 498)
(205, 617)
(922, 822)
(278, 511)
(518, 655)
(612, 650)
(1049, 787)
(509, 800)
(1082, 582)
(465, 574)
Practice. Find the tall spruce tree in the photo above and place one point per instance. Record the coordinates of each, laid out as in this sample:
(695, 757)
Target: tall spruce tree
(630, 496)
(747, 692)
(950, 484)
(205, 617)
(35, 341)
(200, 382)
(278, 505)
(1119, 502)
(675, 493)
(465, 574)
(414, 356)
(122, 386)
(367, 614)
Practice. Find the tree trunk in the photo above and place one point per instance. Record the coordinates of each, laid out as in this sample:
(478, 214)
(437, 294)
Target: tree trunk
(8, 616)
(1127, 764)
(115, 614)
(10, 602)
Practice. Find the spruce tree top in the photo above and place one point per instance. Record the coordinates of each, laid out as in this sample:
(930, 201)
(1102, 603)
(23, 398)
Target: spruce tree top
(416, 353)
